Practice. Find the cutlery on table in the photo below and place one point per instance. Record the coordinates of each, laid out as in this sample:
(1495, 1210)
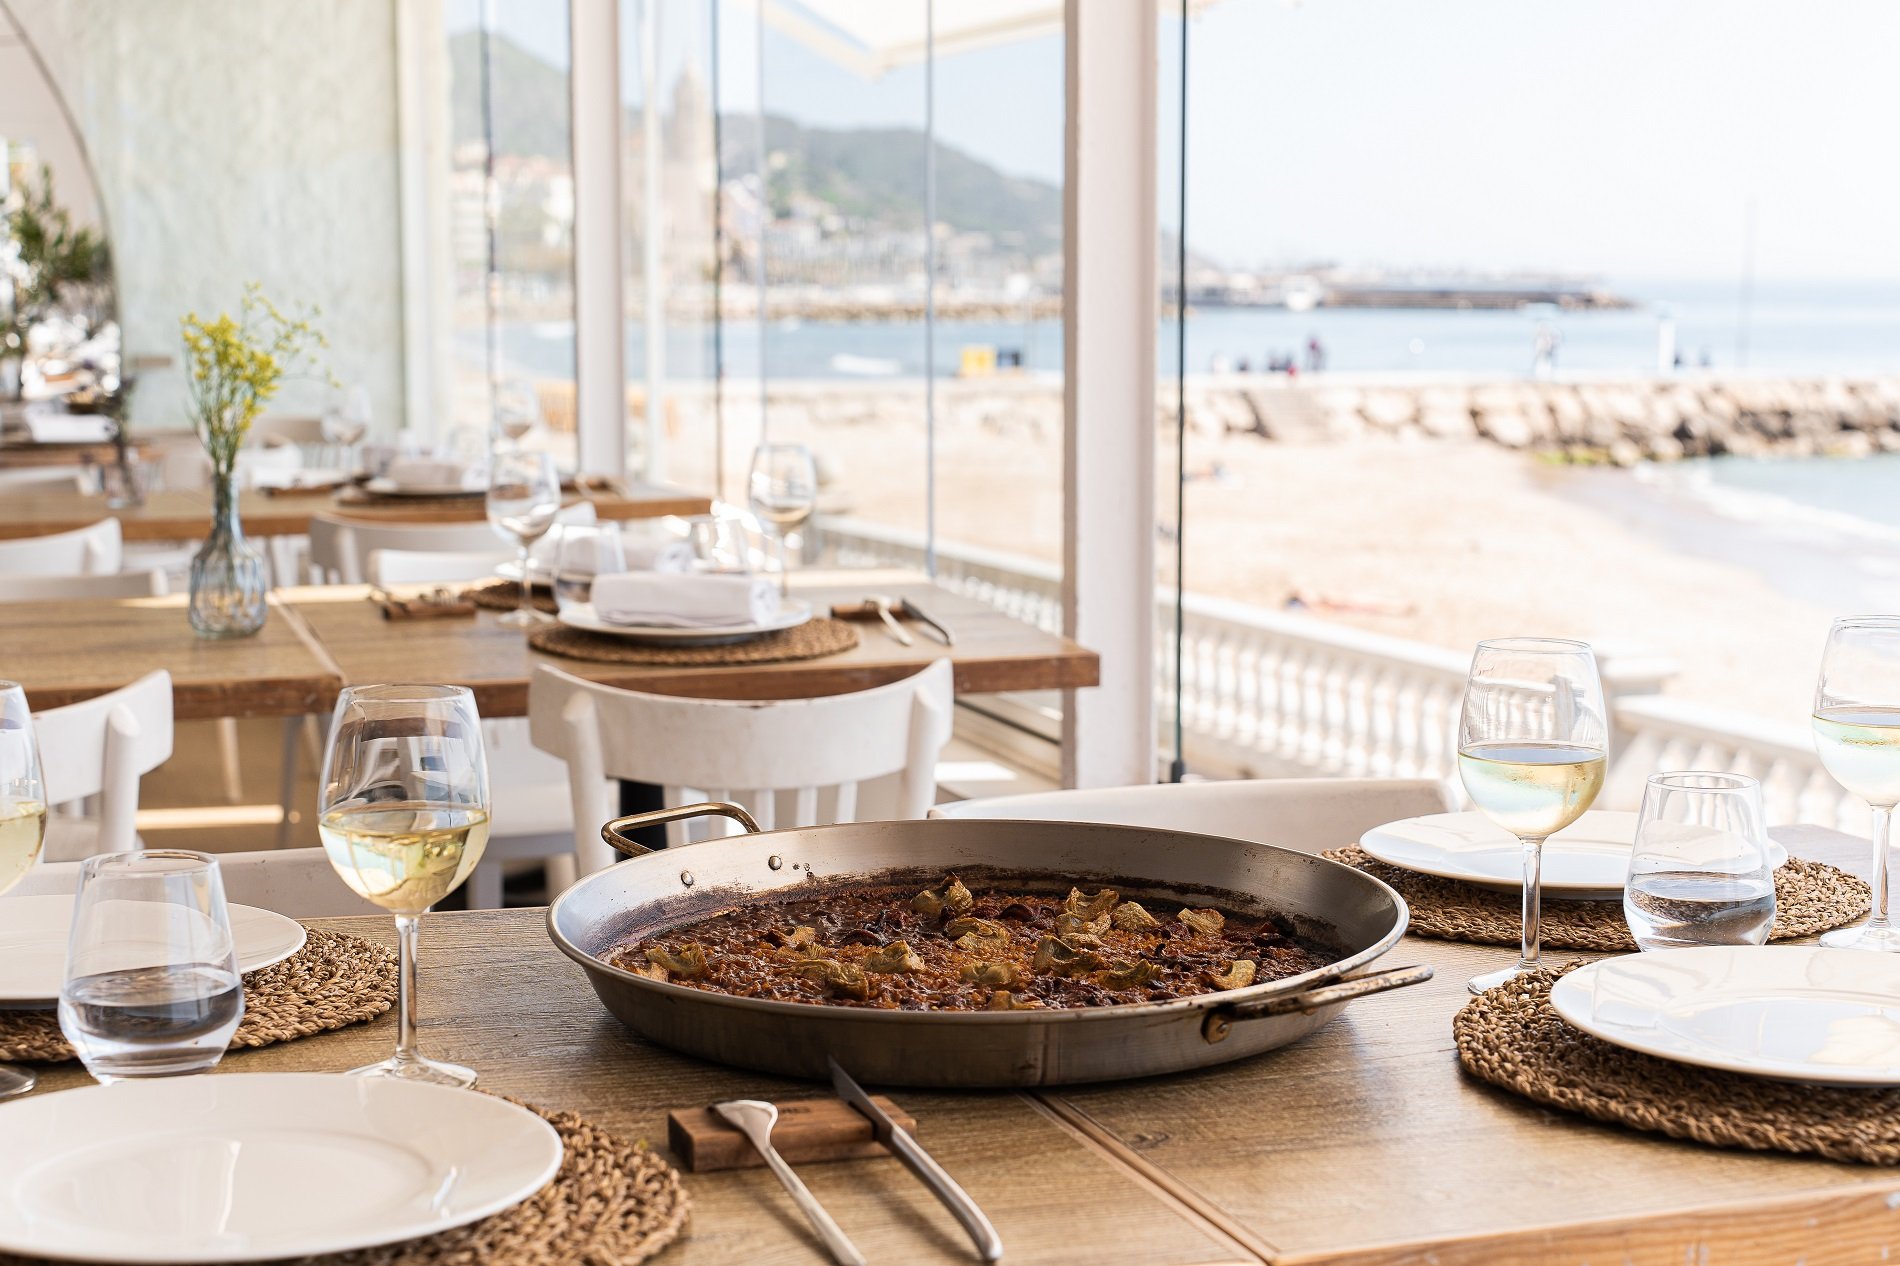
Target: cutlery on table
(895, 1137)
(911, 611)
(897, 631)
(755, 1120)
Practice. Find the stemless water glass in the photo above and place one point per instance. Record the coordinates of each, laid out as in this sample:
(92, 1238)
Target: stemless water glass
(403, 815)
(1857, 733)
(585, 551)
(718, 543)
(22, 819)
(152, 986)
(1699, 873)
(1532, 743)
(524, 495)
(784, 492)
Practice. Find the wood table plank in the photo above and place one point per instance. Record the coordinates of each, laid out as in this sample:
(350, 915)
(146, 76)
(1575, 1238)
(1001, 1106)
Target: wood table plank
(497, 996)
(1366, 1145)
(170, 515)
(993, 652)
(65, 651)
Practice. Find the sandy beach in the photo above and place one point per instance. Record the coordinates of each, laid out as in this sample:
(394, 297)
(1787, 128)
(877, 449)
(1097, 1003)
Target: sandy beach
(1443, 542)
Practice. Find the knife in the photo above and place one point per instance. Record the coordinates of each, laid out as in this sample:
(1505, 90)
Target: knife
(918, 1161)
(912, 611)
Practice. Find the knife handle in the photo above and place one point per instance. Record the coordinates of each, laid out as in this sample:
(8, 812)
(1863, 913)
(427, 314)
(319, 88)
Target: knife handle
(988, 1244)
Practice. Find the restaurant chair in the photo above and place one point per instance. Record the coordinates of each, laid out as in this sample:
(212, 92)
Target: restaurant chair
(340, 548)
(870, 754)
(417, 567)
(88, 551)
(125, 584)
(1307, 814)
(31, 479)
(101, 747)
(298, 882)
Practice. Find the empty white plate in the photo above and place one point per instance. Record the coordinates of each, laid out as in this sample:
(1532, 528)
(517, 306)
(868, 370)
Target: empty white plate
(1585, 861)
(792, 613)
(251, 1167)
(33, 944)
(1796, 1012)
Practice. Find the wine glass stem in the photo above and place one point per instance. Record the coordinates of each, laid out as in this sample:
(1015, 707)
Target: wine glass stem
(527, 583)
(784, 564)
(1883, 828)
(1533, 903)
(407, 927)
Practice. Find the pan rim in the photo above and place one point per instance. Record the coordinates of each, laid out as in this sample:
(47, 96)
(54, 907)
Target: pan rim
(1041, 1015)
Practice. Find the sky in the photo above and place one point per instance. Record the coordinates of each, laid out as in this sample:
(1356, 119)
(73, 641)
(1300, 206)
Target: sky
(1626, 139)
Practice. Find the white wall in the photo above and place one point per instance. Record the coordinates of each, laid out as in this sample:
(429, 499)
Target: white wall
(242, 140)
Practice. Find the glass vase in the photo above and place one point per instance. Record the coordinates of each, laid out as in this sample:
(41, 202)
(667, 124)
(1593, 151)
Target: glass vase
(228, 584)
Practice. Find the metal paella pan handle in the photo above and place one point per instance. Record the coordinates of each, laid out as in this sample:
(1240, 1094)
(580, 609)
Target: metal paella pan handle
(618, 839)
(1220, 1022)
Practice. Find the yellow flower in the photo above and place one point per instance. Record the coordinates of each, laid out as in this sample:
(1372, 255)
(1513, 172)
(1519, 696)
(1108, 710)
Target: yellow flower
(235, 365)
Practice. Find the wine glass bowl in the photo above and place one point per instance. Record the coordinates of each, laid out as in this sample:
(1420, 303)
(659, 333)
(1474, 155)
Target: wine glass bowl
(1533, 743)
(524, 496)
(1857, 737)
(783, 492)
(403, 816)
(22, 818)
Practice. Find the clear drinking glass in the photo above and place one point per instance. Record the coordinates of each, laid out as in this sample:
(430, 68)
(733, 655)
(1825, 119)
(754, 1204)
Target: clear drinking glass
(524, 495)
(152, 985)
(1857, 733)
(1699, 873)
(784, 492)
(584, 552)
(1532, 744)
(403, 814)
(718, 543)
(22, 819)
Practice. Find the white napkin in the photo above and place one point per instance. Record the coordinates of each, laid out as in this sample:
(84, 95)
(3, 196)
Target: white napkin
(684, 601)
(68, 428)
(425, 472)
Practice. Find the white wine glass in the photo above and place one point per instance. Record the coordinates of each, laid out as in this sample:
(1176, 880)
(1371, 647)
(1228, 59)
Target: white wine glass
(403, 814)
(1857, 733)
(1532, 744)
(783, 490)
(22, 819)
(524, 495)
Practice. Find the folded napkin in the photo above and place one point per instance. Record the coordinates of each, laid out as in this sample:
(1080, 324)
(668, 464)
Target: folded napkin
(684, 601)
(424, 472)
(68, 428)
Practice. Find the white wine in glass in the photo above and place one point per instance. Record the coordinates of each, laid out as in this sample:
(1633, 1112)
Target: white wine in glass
(1532, 748)
(22, 820)
(403, 815)
(783, 491)
(1857, 735)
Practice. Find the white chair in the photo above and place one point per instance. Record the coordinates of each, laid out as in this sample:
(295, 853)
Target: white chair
(101, 747)
(87, 551)
(1308, 814)
(298, 882)
(416, 567)
(30, 479)
(340, 547)
(791, 762)
(125, 584)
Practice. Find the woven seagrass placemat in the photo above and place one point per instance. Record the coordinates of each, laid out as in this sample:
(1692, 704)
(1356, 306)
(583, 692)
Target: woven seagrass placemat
(810, 640)
(505, 595)
(1511, 1037)
(333, 981)
(612, 1203)
(1810, 898)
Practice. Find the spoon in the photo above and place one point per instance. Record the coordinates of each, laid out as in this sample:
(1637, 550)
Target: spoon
(755, 1120)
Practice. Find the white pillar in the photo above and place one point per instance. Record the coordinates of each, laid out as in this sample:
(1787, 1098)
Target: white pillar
(600, 398)
(422, 172)
(1110, 309)
(653, 238)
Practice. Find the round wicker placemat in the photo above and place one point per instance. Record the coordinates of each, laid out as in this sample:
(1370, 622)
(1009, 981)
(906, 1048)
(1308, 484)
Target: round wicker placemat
(1511, 1037)
(333, 981)
(810, 640)
(612, 1203)
(505, 595)
(1810, 897)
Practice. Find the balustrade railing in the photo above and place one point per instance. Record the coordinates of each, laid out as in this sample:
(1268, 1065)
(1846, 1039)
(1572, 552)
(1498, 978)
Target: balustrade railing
(1271, 694)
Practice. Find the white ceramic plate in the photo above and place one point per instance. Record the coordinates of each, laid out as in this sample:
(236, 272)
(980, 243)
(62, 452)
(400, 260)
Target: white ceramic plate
(1586, 861)
(792, 613)
(33, 944)
(1795, 1012)
(383, 486)
(251, 1167)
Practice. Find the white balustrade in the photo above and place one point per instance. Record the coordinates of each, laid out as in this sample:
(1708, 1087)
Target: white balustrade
(1271, 694)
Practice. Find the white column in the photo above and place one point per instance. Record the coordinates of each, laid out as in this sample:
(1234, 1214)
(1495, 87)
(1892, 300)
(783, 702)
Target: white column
(653, 238)
(422, 168)
(599, 369)
(1110, 309)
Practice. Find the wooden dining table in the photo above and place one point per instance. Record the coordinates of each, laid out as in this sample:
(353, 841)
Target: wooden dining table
(1363, 1145)
(174, 515)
